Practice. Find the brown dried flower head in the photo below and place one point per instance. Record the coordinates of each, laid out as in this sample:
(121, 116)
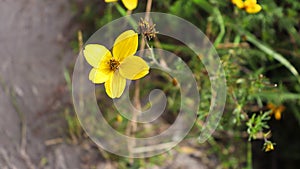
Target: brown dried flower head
(147, 29)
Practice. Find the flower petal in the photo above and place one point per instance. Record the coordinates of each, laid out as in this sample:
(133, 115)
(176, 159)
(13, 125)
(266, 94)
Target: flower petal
(99, 75)
(253, 9)
(94, 53)
(104, 64)
(133, 67)
(125, 45)
(130, 4)
(238, 3)
(250, 2)
(277, 115)
(108, 1)
(107, 86)
(115, 86)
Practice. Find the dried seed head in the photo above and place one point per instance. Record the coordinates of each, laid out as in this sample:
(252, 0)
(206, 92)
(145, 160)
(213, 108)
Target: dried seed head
(147, 29)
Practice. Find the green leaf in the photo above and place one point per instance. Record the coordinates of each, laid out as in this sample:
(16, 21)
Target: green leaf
(281, 96)
(204, 5)
(251, 38)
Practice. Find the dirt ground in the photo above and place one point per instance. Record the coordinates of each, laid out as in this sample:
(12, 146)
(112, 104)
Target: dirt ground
(33, 54)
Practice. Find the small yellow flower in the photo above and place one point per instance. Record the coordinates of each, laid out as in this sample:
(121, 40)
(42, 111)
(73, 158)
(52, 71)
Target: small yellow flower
(268, 146)
(129, 4)
(119, 118)
(250, 6)
(276, 110)
(114, 68)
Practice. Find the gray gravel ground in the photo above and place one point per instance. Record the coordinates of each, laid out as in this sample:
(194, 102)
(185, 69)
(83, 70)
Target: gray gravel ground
(32, 57)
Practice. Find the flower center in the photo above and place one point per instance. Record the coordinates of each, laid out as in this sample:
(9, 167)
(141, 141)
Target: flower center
(114, 64)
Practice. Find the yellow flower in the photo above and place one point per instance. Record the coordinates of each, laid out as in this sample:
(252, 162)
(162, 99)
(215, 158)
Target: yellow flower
(129, 4)
(119, 118)
(268, 146)
(114, 68)
(276, 110)
(251, 6)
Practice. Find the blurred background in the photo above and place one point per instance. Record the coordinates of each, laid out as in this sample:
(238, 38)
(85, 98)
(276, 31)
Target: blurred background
(258, 47)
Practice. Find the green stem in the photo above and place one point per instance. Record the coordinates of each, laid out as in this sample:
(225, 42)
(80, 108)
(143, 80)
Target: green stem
(249, 155)
(222, 26)
(122, 11)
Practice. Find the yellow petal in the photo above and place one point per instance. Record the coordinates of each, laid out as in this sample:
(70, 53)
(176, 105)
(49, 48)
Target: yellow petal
(99, 75)
(108, 1)
(277, 115)
(104, 64)
(125, 45)
(238, 3)
(133, 67)
(115, 86)
(253, 9)
(269, 146)
(94, 53)
(130, 4)
(250, 2)
(107, 86)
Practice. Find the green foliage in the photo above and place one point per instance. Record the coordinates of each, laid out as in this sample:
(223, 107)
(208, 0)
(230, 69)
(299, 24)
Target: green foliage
(257, 123)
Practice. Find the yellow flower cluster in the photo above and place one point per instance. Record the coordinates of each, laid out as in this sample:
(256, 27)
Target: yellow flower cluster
(276, 110)
(250, 6)
(129, 4)
(268, 146)
(114, 68)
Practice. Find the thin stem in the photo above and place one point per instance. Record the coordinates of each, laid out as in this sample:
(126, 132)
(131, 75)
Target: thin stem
(249, 155)
(148, 9)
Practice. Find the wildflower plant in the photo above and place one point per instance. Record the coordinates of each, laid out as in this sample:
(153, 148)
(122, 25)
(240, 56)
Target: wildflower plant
(258, 44)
